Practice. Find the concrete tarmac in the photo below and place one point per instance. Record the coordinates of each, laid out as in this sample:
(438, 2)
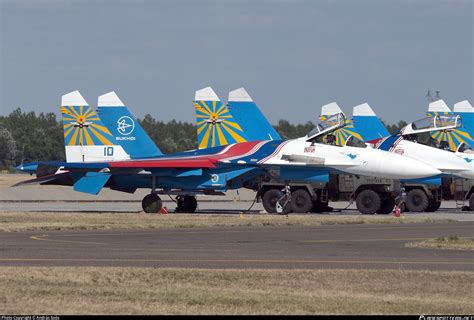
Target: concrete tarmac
(338, 246)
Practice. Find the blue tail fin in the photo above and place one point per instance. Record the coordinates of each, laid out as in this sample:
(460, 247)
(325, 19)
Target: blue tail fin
(125, 129)
(215, 124)
(455, 137)
(466, 111)
(246, 113)
(367, 124)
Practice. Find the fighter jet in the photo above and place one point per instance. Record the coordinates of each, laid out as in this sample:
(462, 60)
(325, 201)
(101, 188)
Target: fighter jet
(97, 158)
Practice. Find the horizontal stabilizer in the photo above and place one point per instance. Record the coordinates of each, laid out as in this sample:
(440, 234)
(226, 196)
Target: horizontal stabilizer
(363, 110)
(463, 107)
(41, 180)
(92, 182)
(439, 106)
(44, 169)
(110, 100)
(73, 99)
(206, 94)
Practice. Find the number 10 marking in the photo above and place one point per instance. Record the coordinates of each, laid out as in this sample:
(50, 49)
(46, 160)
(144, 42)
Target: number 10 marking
(108, 151)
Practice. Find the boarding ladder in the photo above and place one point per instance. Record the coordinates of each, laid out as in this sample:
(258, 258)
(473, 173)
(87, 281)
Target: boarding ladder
(459, 192)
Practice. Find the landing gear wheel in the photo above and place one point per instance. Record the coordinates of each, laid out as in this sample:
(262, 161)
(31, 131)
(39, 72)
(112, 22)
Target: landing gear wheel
(417, 200)
(433, 206)
(189, 204)
(387, 206)
(368, 202)
(151, 203)
(471, 202)
(270, 199)
(301, 201)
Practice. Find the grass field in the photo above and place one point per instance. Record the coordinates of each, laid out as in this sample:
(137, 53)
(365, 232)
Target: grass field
(97, 290)
(452, 242)
(34, 221)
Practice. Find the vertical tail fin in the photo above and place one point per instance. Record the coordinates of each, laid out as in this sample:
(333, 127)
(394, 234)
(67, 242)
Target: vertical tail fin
(125, 129)
(215, 125)
(438, 107)
(452, 138)
(466, 111)
(86, 139)
(248, 115)
(367, 124)
(341, 135)
(328, 110)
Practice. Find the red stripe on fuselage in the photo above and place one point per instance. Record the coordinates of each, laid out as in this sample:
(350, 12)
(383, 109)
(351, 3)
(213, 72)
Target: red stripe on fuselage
(201, 161)
(178, 163)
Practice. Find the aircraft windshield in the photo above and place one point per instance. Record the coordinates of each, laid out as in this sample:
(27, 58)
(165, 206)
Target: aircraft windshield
(332, 123)
(354, 142)
(465, 148)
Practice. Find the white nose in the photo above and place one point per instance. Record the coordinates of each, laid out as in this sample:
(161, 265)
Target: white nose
(395, 166)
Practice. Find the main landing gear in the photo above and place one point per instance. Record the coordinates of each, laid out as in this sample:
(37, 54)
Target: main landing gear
(186, 204)
(152, 202)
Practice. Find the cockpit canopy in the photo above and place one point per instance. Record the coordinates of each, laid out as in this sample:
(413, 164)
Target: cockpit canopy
(465, 148)
(331, 124)
(355, 142)
(436, 123)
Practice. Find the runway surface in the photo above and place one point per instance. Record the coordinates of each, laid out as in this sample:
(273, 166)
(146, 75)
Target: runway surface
(338, 246)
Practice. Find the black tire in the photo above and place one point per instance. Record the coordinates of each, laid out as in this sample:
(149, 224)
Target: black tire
(433, 206)
(151, 203)
(270, 199)
(471, 202)
(301, 201)
(387, 206)
(417, 200)
(368, 202)
(189, 204)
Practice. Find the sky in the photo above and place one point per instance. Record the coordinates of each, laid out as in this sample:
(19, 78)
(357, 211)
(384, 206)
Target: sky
(291, 56)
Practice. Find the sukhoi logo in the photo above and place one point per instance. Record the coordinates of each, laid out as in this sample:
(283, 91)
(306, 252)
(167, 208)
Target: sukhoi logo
(125, 125)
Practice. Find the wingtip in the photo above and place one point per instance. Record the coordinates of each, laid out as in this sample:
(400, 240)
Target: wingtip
(363, 110)
(240, 95)
(463, 106)
(206, 94)
(438, 106)
(330, 109)
(110, 99)
(73, 98)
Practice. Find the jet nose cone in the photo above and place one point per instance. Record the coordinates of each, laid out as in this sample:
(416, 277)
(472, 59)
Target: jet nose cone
(401, 167)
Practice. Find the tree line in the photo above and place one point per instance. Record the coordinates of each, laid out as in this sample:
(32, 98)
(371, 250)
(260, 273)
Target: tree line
(29, 137)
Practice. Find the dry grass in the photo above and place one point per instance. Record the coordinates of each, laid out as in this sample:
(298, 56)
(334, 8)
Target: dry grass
(34, 221)
(452, 243)
(97, 290)
(7, 180)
